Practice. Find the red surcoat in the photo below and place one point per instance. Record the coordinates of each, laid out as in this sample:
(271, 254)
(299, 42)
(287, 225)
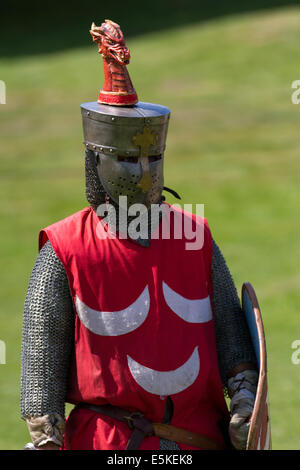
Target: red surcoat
(144, 330)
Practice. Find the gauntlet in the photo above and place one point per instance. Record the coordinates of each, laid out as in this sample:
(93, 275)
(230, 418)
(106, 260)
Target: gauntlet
(242, 391)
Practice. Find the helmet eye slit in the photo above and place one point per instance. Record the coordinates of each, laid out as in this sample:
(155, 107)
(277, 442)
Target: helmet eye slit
(154, 158)
(123, 158)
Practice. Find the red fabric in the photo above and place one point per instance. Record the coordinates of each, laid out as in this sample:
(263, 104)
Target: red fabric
(109, 275)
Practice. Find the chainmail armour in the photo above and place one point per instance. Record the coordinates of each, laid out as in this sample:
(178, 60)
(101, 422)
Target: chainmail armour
(94, 191)
(47, 342)
(48, 328)
(230, 321)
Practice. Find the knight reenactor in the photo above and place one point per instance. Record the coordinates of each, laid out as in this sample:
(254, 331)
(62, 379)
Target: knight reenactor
(143, 336)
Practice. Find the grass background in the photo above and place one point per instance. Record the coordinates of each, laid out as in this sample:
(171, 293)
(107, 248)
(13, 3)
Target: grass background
(233, 145)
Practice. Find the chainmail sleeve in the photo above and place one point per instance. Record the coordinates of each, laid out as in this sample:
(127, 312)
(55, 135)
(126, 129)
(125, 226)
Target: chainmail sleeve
(234, 344)
(48, 335)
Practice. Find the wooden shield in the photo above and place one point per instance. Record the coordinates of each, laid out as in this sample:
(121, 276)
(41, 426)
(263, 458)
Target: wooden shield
(259, 437)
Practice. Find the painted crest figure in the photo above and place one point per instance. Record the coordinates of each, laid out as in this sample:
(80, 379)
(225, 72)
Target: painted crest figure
(139, 333)
(117, 89)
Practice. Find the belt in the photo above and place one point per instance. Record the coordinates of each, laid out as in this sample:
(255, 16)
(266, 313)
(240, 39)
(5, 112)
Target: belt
(142, 428)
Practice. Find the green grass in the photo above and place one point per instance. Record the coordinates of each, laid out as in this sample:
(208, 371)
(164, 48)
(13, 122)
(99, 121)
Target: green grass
(233, 145)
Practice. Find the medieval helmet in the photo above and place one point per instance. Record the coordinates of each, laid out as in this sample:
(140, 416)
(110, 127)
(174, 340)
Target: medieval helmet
(125, 136)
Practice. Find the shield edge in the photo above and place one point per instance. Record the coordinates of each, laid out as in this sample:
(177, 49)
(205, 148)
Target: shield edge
(260, 416)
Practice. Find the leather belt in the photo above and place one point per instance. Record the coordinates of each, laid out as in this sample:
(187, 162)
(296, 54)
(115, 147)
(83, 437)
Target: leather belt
(142, 428)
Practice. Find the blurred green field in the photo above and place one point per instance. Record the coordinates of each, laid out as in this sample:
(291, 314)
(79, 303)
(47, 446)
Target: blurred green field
(233, 145)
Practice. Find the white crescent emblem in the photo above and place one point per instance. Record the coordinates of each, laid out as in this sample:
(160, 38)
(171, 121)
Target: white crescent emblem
(115, 323)
(166, 383)
(192, 311)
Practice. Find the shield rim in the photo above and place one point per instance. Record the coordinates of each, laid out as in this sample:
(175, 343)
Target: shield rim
(261, 394)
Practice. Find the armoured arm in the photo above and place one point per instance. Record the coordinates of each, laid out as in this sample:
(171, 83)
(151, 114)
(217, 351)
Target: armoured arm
(235, 352)
(232, 335)
(47, 344)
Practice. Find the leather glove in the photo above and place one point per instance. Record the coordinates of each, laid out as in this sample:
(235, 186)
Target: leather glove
(46, 431)
(47, 446)
(242, 391)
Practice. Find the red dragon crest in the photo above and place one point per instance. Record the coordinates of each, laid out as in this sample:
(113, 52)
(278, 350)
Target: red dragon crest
(117, 89)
